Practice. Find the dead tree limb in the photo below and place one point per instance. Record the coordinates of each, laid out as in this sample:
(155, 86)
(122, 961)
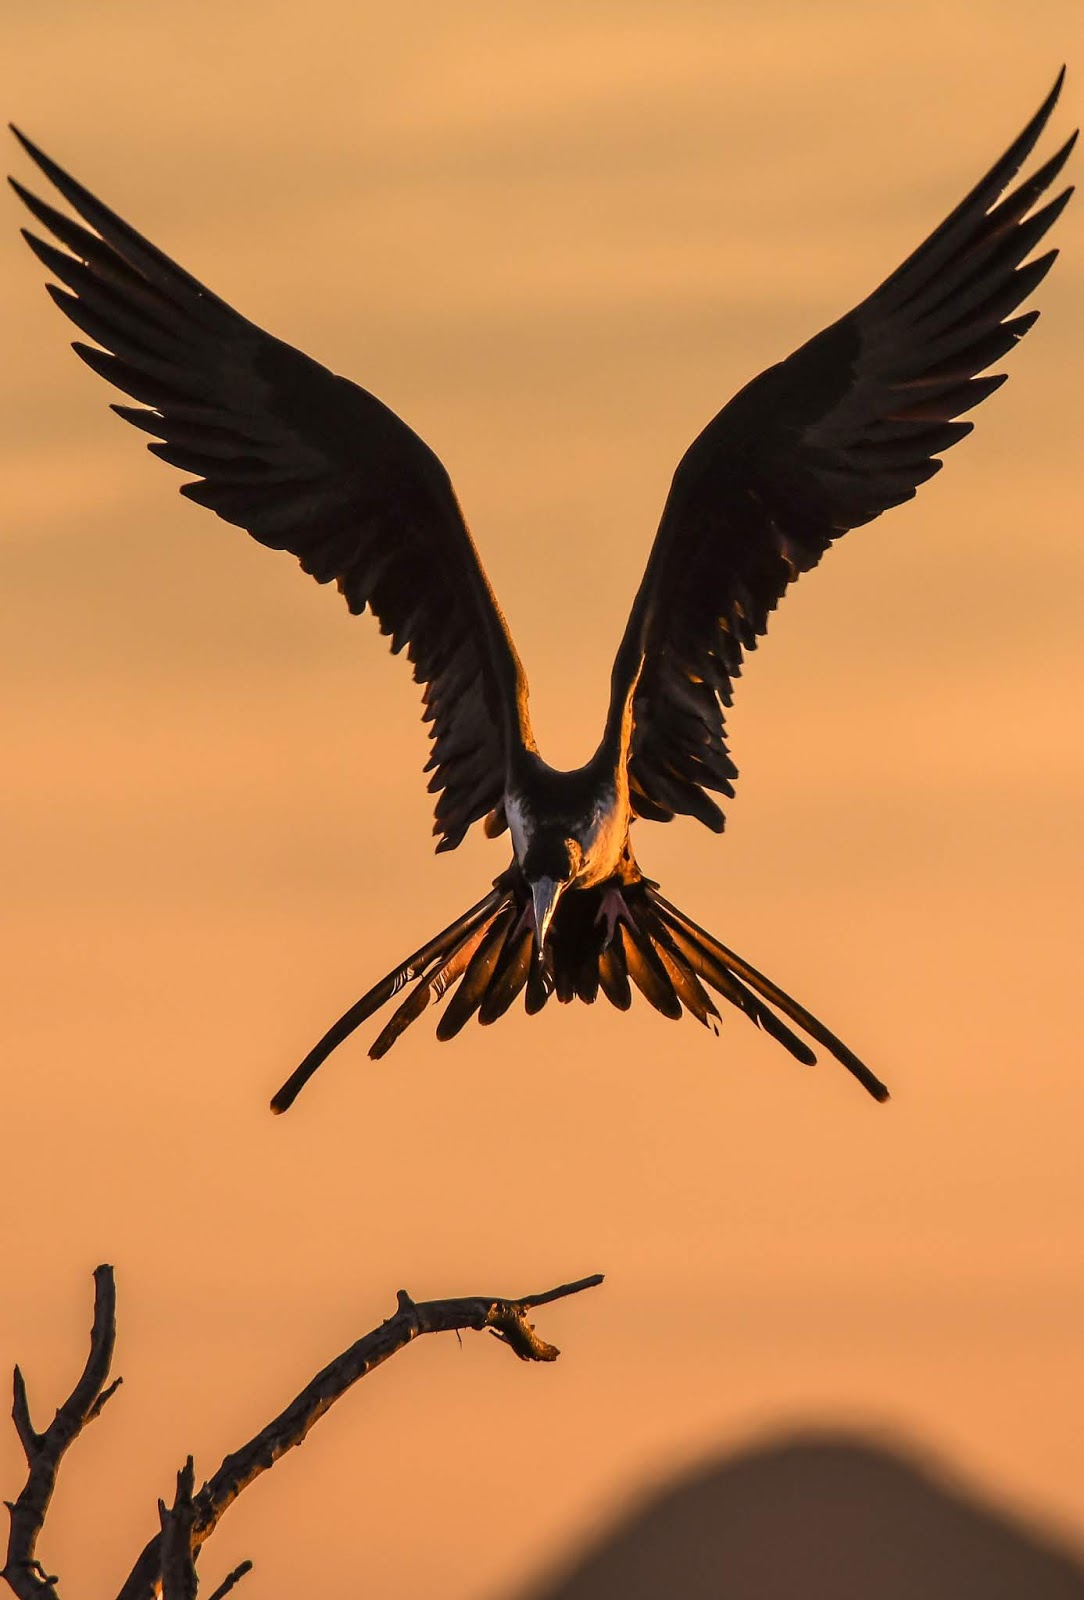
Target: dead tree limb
(178, 1574)
(45, 1451)
(167, 1563)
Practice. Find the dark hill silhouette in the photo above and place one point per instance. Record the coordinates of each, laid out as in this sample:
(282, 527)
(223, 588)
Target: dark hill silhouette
(818, 1517)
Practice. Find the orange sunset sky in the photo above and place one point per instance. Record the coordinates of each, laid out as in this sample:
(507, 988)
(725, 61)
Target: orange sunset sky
(555, 239)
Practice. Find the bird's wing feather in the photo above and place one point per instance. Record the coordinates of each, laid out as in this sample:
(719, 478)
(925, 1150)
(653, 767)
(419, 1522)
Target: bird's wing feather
(307, 462)
(847, 426)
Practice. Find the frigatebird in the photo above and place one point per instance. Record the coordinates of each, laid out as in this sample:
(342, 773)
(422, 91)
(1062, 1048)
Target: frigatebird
(848, 425)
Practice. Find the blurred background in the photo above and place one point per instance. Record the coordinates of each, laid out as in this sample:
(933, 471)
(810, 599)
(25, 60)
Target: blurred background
(555, 240)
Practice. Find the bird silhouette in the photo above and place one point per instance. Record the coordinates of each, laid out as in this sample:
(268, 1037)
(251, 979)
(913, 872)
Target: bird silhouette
(848, 425)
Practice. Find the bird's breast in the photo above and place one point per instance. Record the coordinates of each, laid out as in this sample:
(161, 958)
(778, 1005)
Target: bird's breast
(603, 839)
(520, 823)
(595, 815)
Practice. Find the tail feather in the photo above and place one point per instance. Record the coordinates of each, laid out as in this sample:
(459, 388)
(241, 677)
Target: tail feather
(682, 972)
(564, 983)
(509, 975)
(613, 976)
(587, 972)
(434, 983)
(587, 978)
(687, 986)
(539, 989)
(489, 956)
(468, 997)
(776, 997)
(647, 971)
(379, 995)
(722, 981)
(730, 988)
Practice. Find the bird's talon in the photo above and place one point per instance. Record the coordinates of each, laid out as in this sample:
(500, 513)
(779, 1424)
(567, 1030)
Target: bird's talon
(611, 911)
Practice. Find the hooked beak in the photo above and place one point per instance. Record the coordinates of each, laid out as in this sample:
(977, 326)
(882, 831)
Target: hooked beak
(545, 893)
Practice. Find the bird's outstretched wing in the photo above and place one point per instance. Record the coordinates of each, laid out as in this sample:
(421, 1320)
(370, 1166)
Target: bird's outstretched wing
(307, 462)
(847, 426)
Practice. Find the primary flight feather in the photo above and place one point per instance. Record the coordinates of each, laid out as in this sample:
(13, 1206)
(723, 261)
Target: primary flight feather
(308, 462)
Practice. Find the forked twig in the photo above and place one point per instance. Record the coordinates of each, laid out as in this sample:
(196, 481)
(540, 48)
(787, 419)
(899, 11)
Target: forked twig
(45, 1451)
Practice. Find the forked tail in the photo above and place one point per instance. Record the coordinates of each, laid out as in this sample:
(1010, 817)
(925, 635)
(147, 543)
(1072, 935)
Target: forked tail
(490, 952)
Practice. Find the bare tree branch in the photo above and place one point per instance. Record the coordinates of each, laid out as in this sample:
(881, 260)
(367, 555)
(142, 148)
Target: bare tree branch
(44, 1451)
(507, 1318)
(178, 1575)
(106, 1394)
(234, 1577)
(167, 1563)
(179, 1580)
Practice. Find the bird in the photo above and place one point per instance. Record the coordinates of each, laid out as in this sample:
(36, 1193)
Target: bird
(847, 426)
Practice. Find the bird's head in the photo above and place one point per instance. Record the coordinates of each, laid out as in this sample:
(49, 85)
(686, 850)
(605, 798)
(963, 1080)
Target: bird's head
(550, 865)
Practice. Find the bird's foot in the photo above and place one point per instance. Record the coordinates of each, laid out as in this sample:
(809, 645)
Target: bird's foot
(611, 911)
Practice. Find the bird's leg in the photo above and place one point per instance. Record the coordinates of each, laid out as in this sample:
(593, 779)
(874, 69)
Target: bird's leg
(611, 911)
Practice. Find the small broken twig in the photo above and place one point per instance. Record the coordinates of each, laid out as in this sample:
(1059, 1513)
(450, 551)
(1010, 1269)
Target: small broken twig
(234, 1577)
